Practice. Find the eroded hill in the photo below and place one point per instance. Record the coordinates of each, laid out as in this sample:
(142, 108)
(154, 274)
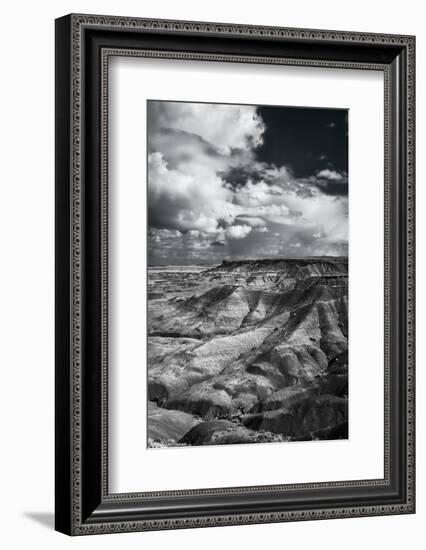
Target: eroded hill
(248, 351)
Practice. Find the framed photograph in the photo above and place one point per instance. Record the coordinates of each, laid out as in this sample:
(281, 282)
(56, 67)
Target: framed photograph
(234, 274)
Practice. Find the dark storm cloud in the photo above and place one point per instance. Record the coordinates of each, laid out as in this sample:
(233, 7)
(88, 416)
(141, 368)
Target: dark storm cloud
(244, 181)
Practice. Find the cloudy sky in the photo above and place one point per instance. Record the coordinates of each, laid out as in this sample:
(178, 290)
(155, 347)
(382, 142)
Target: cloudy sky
(242, 181)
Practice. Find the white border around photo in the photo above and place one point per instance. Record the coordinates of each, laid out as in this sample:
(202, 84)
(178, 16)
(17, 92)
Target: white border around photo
(133, 467)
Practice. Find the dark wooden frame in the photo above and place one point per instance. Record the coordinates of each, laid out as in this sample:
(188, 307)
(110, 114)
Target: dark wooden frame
(83, 46)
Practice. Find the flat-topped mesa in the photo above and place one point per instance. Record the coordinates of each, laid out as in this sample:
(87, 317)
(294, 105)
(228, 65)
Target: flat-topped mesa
(298, 268)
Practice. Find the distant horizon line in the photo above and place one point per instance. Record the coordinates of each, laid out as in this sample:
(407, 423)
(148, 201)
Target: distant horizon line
(229, 260)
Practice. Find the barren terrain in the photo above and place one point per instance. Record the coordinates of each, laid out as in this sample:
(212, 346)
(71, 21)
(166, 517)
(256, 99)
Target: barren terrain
(248, 351)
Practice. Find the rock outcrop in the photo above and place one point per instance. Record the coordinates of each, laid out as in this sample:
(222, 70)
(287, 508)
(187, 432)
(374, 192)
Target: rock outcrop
(167, 427)
(224, 432)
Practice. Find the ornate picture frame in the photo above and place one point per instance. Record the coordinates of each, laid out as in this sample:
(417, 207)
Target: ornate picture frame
(84, 44)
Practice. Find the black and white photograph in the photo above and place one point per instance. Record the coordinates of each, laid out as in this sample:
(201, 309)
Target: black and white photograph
(247, 273)
(209, 283)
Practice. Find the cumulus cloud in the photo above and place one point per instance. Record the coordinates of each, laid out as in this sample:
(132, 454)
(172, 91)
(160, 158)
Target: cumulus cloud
(250, 220)
(189, 146)
(237, 231)
(209, 195)
(330, 175)
(186, 200)
(225, 127)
